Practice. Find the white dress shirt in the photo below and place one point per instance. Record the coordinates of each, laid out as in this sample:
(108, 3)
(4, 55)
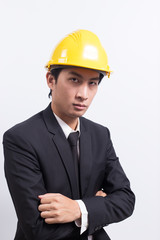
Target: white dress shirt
(83, 222)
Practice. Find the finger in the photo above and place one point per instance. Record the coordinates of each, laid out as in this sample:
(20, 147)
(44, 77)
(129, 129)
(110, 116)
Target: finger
(50, 220)
(56, 216)
(49, 195)
(101, 194)
(44, 207)
(104, 194)
(48, 214)
(97, 193)
(44, 214)
(46, 200)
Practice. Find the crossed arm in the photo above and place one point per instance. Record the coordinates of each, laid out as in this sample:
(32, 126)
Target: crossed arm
(57, 208)
(25, 182)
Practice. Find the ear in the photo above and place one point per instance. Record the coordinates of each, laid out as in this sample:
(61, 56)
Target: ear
(50, 80)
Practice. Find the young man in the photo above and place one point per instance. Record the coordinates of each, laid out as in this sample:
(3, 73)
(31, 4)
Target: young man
(60, 189)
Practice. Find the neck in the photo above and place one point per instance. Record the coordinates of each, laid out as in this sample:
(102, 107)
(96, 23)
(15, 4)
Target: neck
(74, 125)
(72, 122)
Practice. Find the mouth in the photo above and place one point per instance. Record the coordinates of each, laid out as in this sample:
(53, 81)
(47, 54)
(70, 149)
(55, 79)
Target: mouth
(79, 106)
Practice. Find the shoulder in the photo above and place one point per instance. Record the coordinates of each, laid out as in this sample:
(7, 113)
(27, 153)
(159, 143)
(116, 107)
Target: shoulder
(26, 128)
(100, 135)
(93, 127)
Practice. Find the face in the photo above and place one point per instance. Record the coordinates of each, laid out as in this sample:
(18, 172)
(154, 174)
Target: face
(73, 92)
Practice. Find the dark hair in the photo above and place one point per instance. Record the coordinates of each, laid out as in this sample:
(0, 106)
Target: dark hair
(100, 78)
(55, 72)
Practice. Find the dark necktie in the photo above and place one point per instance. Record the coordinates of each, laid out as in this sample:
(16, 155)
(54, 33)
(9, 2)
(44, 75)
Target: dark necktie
(72, 139)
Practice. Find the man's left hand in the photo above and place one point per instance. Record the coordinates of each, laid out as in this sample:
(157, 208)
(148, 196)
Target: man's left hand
(56, 208)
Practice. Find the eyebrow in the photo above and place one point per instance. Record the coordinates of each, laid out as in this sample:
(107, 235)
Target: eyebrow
(80, 76)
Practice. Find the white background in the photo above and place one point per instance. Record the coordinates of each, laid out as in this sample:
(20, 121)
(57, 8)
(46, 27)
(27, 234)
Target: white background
(128, 102)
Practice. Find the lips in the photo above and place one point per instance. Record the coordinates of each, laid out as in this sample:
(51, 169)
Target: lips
(79, 106)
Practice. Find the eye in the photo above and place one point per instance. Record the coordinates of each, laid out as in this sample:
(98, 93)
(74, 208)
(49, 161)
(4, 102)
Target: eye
(93, 83)
(75, 80)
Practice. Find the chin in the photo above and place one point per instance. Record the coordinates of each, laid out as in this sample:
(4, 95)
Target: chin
(77, 115)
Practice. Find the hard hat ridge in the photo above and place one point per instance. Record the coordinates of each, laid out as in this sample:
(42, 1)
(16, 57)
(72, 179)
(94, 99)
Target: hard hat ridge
(81, 48)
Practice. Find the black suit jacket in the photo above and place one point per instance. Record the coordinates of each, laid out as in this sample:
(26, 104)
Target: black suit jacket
(38, 160)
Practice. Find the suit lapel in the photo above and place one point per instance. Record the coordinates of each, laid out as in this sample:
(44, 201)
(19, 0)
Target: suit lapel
(85, 159)
(64, 150)
(62, 146)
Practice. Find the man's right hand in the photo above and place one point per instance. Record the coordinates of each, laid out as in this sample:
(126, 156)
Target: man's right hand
(101, 194)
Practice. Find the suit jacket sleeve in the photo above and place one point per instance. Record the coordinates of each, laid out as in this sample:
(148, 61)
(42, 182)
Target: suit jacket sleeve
(119, 202)
(25, 181)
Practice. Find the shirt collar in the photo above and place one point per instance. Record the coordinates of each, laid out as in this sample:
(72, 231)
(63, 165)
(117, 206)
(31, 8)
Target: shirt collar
(65, 127)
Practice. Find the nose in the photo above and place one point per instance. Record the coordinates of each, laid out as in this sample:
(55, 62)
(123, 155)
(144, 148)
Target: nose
(82, 92)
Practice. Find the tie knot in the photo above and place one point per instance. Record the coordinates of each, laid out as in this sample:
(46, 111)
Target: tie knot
(73, 138)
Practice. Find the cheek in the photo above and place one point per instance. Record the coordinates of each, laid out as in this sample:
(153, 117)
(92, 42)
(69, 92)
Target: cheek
(66, 96)
(92, 95)
(69, 93)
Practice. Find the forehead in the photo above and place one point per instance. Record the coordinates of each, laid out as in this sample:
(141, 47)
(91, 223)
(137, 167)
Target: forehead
(81, 72)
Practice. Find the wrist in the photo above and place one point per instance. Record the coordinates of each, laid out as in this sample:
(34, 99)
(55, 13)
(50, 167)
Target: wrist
(77, 211)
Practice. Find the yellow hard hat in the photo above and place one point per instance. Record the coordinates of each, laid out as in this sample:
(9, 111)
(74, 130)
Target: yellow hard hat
(81, 48)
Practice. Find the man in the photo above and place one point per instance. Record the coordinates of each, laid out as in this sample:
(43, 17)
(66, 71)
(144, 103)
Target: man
(60, 189)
